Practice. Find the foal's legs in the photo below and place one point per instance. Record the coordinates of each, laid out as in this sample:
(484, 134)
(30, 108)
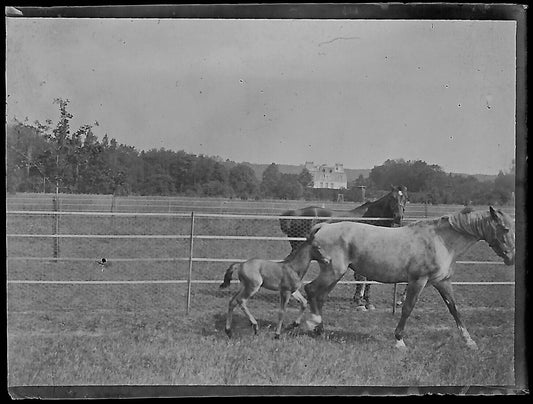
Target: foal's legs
(240, 299)
(284, 295)
(231, 306)
(414, 288)
(446, 291)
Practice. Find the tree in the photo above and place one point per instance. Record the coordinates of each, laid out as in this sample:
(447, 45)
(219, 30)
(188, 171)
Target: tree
(243, 181)
(289, 187)
(504, 186)
(305, 178)
(415, 175)
(25, 146)
(271, 177)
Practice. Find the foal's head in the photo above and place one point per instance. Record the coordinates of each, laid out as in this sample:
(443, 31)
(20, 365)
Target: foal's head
(502, 235)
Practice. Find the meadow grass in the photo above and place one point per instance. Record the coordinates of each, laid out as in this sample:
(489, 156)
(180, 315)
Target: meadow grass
(149, 339)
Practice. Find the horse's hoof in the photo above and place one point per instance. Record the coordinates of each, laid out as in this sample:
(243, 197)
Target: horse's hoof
(361, 307)
(228, 332)
(319, 329)
(472, 345)
(370, 306)
(292, 326)
(400, 345)
(254, 327)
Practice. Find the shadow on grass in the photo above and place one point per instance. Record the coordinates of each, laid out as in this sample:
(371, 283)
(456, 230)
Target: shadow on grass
(240, 325)
(242, 329)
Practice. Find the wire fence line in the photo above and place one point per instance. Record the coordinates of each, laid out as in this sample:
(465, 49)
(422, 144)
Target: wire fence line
(179, 236)
(191, 236)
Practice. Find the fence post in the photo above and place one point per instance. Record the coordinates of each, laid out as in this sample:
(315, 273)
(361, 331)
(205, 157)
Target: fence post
(112, 219)
(55, 226)
(190, 264)
(394, 299)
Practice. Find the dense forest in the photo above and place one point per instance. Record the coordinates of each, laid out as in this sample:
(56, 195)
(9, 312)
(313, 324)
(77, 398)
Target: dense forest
(41, 157)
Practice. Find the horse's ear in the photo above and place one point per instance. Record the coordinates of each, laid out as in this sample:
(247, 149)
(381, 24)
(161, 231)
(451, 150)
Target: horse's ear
(493, 213)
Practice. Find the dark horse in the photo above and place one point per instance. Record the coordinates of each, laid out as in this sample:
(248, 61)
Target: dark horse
(392, 206)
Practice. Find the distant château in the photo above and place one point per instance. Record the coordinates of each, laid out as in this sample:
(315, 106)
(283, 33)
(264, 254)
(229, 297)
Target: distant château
(325, 176)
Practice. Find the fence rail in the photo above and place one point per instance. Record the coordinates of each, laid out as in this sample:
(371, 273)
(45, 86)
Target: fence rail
(97, 203)
(191, 236)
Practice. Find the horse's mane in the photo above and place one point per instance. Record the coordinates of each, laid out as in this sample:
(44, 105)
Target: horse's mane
(466, 221)
(470, 222)
(368, 204)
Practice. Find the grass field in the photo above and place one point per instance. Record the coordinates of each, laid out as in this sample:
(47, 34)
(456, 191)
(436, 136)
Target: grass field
(108, 334)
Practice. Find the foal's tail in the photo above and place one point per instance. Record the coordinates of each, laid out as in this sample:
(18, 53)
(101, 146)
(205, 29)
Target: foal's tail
(227, 276)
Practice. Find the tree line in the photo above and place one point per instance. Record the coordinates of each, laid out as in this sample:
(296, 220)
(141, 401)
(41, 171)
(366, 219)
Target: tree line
(42, 157)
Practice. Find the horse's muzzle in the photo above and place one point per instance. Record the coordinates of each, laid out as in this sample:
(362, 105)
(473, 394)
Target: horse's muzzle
(508, 260)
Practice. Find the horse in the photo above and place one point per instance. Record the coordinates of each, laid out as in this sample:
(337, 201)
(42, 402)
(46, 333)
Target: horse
(392, 206)
(285, 277)
(420, 253)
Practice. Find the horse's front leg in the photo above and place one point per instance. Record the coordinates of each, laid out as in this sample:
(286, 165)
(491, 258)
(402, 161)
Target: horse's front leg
(284, 296)
(414, 288)
(446, 291)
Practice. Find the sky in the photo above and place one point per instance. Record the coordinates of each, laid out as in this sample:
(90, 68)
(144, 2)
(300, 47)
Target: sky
(356, 92)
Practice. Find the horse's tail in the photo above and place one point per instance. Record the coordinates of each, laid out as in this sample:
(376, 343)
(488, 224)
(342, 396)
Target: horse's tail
(285, 224)
(314, 229)
(227, 276)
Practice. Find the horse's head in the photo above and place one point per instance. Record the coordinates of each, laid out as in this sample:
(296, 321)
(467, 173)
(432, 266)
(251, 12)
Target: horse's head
(396, 201)
(502, 235)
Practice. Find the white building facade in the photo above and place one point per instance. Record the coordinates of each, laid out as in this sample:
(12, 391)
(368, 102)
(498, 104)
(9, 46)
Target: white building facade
(325, 176)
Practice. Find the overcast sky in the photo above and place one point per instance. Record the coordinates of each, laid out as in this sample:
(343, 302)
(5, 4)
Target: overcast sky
(355, 92)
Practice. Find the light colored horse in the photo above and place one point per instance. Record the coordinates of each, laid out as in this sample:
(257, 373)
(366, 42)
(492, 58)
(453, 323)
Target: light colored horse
(285, 277)
(419, 253)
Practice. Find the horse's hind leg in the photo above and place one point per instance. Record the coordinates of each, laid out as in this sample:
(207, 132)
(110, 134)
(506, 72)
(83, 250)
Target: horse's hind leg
(360, 291)
(284, 295)
(400, 301)
(231, 306)
(303, 305)
(246, 311)
(247, 294)
(414, 288)
(318, 290)
(446, 291)
(366, 297)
